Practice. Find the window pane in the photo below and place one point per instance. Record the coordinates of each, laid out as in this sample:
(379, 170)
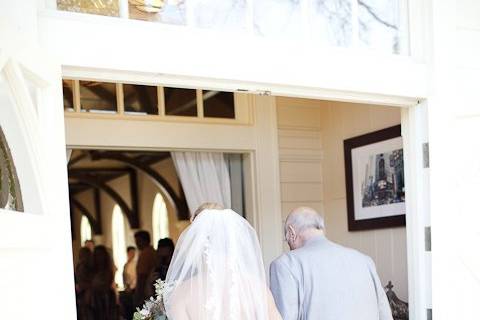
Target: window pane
(160, 224)
(119, 244)
(224, 15)
(180, 102)
(158, 11)
(278, 18)
(98, 96)
(218, 104)
(140, 99)
(67, 94)
(379, 24)
(85, 230)
(101, 7)
(331, 22)
(10, 193)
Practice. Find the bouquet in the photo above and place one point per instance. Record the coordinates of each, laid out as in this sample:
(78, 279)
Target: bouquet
(154, 308)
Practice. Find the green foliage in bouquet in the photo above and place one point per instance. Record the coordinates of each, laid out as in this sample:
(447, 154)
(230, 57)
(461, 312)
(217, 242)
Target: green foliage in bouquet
(153, 309)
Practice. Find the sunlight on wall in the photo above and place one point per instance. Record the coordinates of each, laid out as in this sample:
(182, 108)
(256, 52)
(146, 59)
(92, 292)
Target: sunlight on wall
(118, 244)
(85, 230)
(159, 219)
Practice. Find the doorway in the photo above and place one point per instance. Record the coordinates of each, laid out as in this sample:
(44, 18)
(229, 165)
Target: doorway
(257, 135)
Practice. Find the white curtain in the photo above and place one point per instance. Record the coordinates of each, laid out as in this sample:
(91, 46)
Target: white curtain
(204, 177)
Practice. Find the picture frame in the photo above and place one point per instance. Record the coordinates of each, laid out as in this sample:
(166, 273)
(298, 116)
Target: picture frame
(374, 178)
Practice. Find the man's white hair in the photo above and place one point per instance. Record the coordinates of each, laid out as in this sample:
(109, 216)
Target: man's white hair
(304, 218)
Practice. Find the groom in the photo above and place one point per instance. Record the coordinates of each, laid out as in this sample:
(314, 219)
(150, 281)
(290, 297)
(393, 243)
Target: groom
(320, 280)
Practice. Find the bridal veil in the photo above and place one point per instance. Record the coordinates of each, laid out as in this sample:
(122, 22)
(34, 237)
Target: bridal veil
(217, 271)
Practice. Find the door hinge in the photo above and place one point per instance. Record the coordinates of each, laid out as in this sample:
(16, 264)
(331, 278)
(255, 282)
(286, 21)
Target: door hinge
(264, 92)
(426, 155)
(428, 239)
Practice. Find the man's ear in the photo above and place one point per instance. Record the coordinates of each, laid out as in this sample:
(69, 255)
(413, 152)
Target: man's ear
(291, 231)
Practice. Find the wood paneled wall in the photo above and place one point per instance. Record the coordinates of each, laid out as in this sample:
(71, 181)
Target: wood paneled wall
(311, 135)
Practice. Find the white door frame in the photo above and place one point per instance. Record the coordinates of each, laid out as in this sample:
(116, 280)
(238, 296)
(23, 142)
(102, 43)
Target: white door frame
(415, 141)
(23, 135)
(33, 127)
(413, 135)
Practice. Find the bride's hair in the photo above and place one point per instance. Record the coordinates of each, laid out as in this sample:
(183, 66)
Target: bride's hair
(205, 206)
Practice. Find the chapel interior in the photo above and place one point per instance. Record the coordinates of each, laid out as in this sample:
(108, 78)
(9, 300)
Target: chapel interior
(114, 193)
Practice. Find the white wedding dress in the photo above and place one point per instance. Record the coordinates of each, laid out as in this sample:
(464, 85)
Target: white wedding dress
(217, 272)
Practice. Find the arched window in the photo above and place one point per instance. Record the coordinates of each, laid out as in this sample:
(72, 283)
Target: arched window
(118, 243)
(85, 230)
(159, 219)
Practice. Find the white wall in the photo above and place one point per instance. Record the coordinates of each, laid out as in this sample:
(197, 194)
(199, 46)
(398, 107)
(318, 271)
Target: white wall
(311, 134)
(454, 127)
(467, 129)
(301, 153)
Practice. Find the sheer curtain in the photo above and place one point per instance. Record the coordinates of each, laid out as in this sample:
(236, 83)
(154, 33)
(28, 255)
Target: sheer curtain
(204, 177)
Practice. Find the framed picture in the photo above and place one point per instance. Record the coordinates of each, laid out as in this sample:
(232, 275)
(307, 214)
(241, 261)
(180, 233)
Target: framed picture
(375, 181)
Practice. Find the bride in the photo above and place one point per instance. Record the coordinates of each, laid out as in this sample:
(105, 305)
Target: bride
(217, 271)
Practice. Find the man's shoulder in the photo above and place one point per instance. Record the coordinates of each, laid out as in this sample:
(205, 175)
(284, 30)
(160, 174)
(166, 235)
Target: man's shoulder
(349, 252)
(286, 259)
(147, 253)
(148, 250)
(329, 249)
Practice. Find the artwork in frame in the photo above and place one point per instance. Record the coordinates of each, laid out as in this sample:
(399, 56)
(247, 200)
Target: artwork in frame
(374, 176)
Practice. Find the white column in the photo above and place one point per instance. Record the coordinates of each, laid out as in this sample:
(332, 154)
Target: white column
(268, 217)
(415, 134)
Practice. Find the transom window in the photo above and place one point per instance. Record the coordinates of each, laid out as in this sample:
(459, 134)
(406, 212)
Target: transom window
(94, 97)
(374, 24)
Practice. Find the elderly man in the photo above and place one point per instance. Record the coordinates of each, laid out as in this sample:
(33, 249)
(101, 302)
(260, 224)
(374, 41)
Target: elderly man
(320, 280)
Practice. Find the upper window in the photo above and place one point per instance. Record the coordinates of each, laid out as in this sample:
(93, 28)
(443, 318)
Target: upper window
(10, 193)
(81, 96)
(67, 86)
(375, 24)
(101, 7)
(171, 12)
(98, 96)
(85, 230)
(119, 243)
(380, 25)
(180, 102)
(139, 99)
(160, 225)
(218, 104)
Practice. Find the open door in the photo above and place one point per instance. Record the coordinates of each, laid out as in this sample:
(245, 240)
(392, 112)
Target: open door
(455, 158)
(36, 272)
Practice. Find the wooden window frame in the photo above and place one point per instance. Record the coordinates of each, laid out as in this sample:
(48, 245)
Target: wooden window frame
(242, 108)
